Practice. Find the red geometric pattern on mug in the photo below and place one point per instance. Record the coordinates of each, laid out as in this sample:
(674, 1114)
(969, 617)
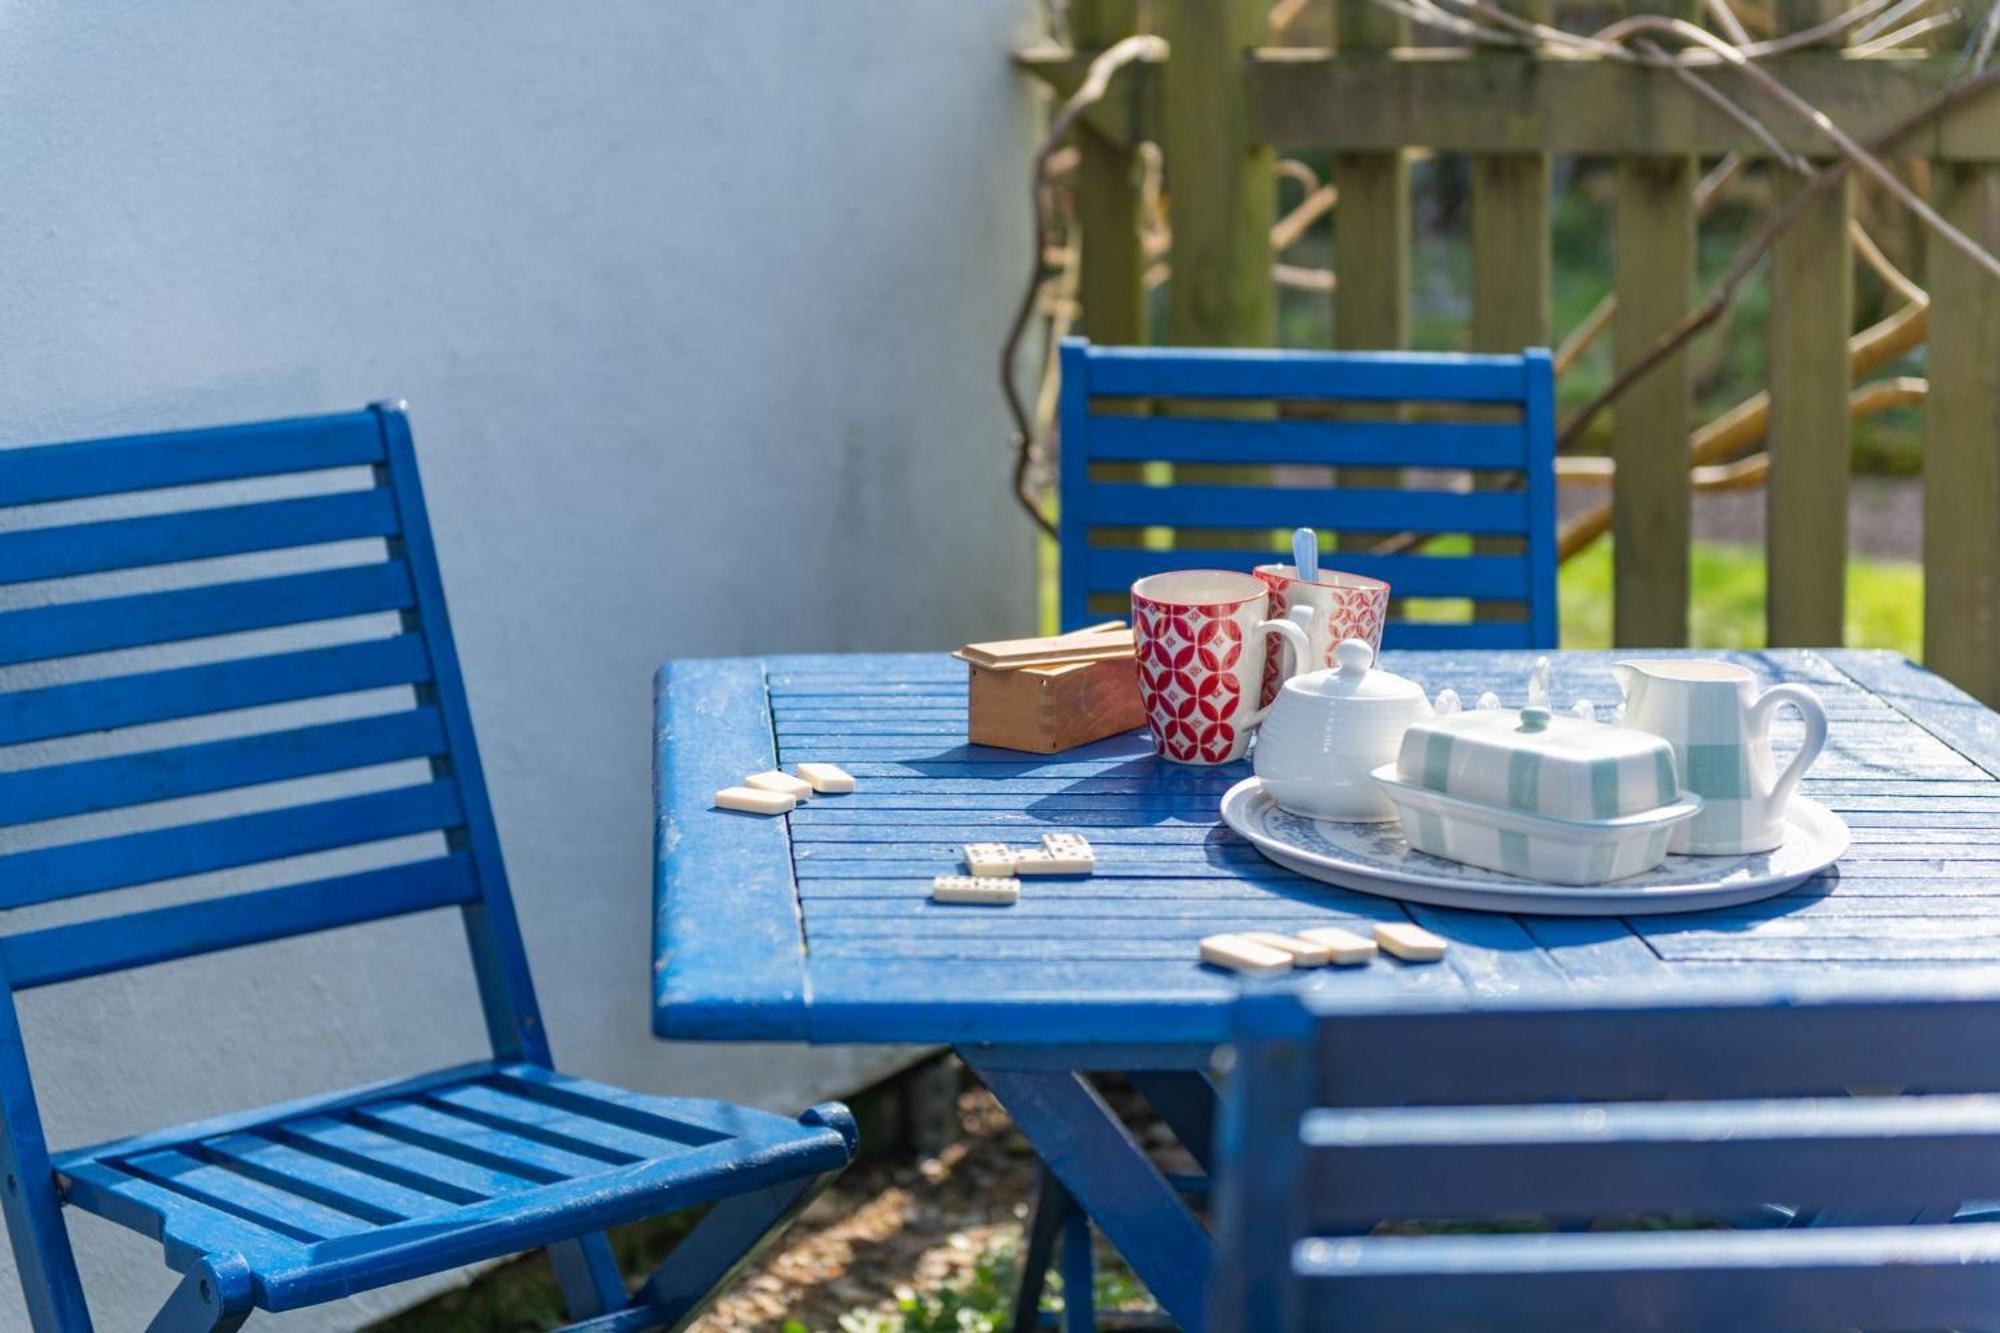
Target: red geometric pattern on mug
(1188, 659)
(1351, 613)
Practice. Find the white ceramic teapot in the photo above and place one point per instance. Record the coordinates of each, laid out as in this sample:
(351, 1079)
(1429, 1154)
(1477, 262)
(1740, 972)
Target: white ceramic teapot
(1327, 730)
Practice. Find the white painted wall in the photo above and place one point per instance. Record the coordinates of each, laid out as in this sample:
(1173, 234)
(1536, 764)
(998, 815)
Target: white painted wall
(675, 288)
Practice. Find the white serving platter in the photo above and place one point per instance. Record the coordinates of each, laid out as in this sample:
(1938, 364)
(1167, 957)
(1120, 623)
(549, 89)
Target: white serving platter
(1374, 858)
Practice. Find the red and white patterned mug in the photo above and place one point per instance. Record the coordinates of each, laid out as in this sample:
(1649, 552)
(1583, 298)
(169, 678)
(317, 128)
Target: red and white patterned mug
(1199, 636)
(1344, 606)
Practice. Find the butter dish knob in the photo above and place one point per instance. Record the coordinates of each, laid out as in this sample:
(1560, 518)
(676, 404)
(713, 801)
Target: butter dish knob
(1353, 657)
(1534, 718)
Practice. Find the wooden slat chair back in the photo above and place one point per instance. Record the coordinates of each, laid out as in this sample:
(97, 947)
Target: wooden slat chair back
(1654, 1106)
(1206, 411)
(296, 1205)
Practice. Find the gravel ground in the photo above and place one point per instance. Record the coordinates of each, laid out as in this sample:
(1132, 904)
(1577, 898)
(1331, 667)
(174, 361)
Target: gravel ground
(893, 1229)
(1885, 515)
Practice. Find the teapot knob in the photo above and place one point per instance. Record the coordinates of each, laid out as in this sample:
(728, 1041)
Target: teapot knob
(1353, 657)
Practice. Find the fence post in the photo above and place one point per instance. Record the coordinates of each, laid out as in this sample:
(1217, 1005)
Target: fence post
(1653, 244)
(1220, 189)
(1962, 450)
(1511, 268)
(1805, 495)
(1112, 282)
(1371, 235)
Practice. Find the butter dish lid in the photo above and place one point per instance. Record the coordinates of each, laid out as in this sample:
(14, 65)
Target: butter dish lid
(1539, 763)
(1355, 676)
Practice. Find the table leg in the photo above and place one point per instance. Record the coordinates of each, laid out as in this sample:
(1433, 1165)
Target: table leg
(1109, 1176)
(1052, 1209)
(1186, 1101)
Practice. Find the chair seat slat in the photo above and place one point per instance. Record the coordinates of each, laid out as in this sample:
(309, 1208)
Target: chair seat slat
(544, 1124)
(1113, 569)
(145, 619)
(200, 534)
(86, 948)
(1294, 441)
(1119, 504)
(407, 1164)
(55, 711)
(70, 871)
(149, 462)
(455, 1136)
(325, 1182)
(59, 790)
(228, 1191)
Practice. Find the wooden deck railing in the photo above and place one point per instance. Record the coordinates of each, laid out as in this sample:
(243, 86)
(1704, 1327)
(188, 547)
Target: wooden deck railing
(1221, 103)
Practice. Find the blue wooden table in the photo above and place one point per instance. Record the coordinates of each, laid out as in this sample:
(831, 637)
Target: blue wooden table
(818, 926)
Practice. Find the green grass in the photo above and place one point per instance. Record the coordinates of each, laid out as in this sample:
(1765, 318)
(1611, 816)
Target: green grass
(1885, 600)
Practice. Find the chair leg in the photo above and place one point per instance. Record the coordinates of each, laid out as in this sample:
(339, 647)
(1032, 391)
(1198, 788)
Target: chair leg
(1079, 1275)
(587, 1272)
(1052, 1208)
(733, 1234)
(215, 1297)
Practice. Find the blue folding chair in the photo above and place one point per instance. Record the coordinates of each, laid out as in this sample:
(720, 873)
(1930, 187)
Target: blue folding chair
(299, 1204)
(1510, 403)
(1340, 1111)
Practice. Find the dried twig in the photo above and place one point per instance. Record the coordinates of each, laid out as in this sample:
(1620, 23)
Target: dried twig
(1097, 81)
(1753, 252)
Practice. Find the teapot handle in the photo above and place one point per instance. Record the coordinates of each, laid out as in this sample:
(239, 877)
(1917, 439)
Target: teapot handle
(1814, 714)
(1292, 629)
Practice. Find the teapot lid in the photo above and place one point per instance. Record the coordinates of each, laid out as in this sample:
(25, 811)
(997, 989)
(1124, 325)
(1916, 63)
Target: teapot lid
(1354, 676)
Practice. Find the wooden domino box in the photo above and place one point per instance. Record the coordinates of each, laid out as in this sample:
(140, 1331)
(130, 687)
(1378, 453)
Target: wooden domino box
(1045, 709)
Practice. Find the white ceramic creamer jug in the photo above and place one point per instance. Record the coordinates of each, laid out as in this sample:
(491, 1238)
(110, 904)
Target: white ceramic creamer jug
(1720, 728)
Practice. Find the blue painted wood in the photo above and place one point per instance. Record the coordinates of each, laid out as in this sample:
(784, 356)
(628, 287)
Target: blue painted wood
(1108, 1176)
(285, 1207)
(56, 790)
(185, 458)
(1091, 505)
(1492, 576)
(73, 869)
(161, 696)
(89, 548)
(1100, 974)
(1304, 440)
(712, 731)
(1159, 372)
(57, 954)
(1847, 1277)
(1462, 1112)
(194, 613)
(1122, 504)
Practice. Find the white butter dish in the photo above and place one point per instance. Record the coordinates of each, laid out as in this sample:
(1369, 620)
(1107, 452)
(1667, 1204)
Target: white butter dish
(1534, 847)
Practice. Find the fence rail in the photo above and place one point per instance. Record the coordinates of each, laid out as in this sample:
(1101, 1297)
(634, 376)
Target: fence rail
(1223, 101)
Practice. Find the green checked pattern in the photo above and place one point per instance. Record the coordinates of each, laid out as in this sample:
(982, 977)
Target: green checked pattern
(1572, 769)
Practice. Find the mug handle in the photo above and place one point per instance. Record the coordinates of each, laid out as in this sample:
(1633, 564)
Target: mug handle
(1814, 714)
(1292, 629)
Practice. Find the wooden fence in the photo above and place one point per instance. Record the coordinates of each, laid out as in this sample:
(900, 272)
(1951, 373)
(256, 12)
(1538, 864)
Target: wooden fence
(1223, 102)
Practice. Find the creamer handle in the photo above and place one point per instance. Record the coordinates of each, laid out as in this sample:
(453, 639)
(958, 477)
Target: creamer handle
(1814, 714)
